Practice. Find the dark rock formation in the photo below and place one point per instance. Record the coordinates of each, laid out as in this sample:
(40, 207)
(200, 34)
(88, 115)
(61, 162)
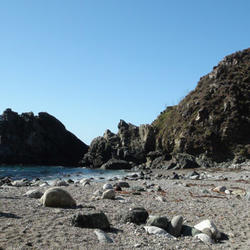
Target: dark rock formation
(116, 164)
(213, 120)
(130, 144)
(37, 140)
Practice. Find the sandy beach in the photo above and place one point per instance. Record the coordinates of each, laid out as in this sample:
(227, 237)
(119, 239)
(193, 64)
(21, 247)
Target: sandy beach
(26, 224)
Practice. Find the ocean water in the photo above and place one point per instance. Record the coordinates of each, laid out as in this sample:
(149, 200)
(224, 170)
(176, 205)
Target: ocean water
(50, 173)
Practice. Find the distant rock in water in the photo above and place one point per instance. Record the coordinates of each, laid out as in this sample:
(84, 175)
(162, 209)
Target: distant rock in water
(37, 140)
(214, 119)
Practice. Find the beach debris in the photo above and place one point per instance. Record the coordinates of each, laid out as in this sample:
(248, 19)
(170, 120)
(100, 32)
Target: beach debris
(158, 221)
(102, 236)
(34, 193)
(158, 231)
(174, 227)
(207, 196)
(137, 215)
(57, 197)
(95, 219)
(108, 194)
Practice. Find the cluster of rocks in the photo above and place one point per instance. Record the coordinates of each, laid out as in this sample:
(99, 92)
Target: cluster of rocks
(134, 147)
(205, 231)
(120, 151)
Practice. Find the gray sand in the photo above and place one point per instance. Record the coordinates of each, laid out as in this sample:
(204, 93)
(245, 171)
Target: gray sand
(26, 224)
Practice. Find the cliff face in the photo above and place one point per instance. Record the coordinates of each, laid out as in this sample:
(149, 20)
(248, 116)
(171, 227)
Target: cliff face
(131, 144)
(214, 119)
(42, 139)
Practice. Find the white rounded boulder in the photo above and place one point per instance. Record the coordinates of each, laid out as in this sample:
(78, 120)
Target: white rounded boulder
(57, 197)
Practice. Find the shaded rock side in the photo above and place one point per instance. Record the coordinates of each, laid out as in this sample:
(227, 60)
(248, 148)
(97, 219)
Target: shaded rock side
(131, 144)
(212, 120)
(42, 139)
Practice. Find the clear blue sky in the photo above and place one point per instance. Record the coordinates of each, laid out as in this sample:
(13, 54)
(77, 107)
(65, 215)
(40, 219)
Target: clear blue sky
(91, 63)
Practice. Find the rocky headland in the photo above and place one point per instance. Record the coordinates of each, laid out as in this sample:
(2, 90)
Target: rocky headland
(37, 140)
(210, 125)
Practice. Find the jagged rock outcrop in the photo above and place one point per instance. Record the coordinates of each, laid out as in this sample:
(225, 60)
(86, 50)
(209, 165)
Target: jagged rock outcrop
(214, 119)
(42, 139)
(131, 144)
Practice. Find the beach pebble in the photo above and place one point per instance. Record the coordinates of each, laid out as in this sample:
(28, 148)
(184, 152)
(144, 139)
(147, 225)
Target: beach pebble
(85, 183)
(84, 180)
(158, 231)
(247, 197)
(108, 194)
(228, 192)
(158, 221)
(160, 198)
(175, 225)
(35, 193)
(57, 197)
(107, 186)
(102, 236)
(208, 224)
(204, 238)
(44, 184)
(137, 215)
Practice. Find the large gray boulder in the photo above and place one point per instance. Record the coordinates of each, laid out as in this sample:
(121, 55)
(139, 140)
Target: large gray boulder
(57, 197)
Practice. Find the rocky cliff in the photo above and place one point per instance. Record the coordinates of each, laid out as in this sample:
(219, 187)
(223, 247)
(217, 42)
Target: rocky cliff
(42, 139)
(214, 119)
(130, 144)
